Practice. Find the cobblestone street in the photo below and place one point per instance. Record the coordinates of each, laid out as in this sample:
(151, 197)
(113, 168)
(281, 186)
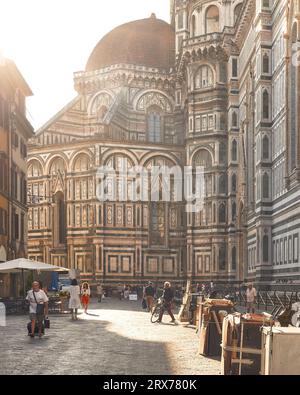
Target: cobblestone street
(116, 337)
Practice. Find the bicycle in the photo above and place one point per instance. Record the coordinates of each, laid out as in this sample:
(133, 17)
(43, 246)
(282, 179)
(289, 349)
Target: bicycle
(156, 309)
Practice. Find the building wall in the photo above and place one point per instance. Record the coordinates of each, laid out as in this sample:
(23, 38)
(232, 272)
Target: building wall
(15, 131)
(262, 87)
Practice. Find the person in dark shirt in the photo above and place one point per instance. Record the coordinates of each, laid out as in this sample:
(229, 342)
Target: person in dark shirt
(167, 296)
(149, 296)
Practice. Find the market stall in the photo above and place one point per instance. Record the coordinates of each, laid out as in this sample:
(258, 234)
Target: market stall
(211, 316)
(242, 343)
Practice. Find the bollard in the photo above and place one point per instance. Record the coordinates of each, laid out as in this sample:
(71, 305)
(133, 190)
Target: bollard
(2, 314)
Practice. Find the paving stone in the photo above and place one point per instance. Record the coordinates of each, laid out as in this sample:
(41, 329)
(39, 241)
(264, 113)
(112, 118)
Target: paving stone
(116, 337)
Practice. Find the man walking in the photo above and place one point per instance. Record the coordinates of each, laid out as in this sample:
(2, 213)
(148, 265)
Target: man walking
(167, 296)
(149, 295)
(251, 295)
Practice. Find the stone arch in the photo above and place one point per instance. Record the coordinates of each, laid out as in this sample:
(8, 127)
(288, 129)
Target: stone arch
(110, 153)
(198, 150)
(150, 97)
(207, 75)
(52, 159)
(76, 155)
(109, 98)
(31, 162)
(152, 155)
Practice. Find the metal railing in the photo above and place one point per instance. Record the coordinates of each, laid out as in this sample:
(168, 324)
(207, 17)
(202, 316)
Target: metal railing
(268, 301)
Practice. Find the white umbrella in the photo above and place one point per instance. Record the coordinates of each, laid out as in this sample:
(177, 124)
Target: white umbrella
(27, 264)
(22, 264)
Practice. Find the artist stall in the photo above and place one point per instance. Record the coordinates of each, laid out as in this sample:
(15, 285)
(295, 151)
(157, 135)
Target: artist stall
(242, 343)
(212, 313)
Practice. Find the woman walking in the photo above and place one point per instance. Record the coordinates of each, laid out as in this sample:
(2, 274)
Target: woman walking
(85, 296)
(38, 308)
(74, 302)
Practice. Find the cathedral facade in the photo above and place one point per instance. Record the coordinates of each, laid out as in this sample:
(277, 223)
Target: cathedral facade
(218, 88)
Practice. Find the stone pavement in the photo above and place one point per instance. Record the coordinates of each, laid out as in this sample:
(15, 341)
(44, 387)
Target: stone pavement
(116, 337)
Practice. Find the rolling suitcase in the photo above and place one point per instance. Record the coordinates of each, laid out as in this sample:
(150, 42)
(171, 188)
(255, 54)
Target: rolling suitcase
(36, 329)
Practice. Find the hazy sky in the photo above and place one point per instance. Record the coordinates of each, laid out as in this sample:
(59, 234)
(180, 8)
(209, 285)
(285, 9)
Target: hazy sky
(51, 39)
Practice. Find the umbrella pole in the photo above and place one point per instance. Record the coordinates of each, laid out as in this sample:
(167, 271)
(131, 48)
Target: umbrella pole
(23, 280)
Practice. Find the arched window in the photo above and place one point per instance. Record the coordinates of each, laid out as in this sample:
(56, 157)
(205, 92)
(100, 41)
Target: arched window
(204, 78)
(293, 99)
(266, 64)
(233, 259)
(59, 221)
(234, 119)
(222, 184)
(222, 213)
(233, 183)
(266, 248)
(266, 186)
(155, 125)
(212, 19)
(233, 212)
(222, 153)
(222, 258)
(158, 209)
(266, 150)
(82, 163)
(58, 166)
(237, 12)
(234, 150)
(158, 224)
(266, 105)
(193, 26)
(203, 158)
(34, 169)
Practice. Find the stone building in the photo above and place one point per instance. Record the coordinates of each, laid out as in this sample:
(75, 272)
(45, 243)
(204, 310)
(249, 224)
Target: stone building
(215, 88)
(15, 131)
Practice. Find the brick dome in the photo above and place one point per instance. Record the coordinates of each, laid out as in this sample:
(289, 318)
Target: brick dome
(147, 42)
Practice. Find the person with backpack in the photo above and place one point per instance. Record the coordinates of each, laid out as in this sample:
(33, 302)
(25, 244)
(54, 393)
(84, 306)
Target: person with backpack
(149, 295)
(38, 308)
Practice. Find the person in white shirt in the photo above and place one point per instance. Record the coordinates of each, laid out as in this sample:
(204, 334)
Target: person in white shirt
(251, 295)
(38, 307)
(74, 302)
(99, 292)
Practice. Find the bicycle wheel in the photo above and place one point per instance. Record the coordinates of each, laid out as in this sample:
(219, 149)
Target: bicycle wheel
(155, 315)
